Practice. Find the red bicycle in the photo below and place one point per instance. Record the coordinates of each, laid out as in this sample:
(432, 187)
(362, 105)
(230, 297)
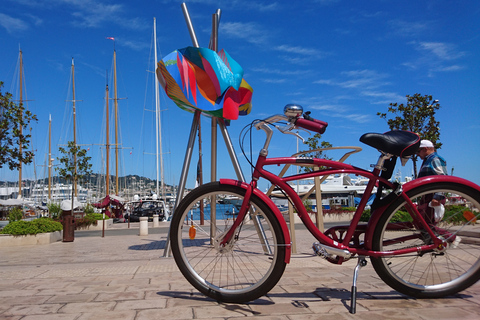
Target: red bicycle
(419, 247)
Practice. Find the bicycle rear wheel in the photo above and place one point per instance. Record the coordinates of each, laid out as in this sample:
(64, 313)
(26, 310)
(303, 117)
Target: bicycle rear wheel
(440, 272)
(241, 271)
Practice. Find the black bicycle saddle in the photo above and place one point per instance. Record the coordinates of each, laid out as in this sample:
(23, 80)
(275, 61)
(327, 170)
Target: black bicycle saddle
(397, 142)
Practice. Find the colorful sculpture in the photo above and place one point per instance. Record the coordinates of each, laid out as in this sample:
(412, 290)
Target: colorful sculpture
(202, 79)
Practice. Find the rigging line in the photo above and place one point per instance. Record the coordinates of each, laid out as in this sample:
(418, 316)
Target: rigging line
(65, 128)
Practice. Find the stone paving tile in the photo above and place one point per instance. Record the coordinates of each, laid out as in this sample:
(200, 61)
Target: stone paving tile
(12, 301)
(292, 297)
(446, 313)
(170, 314)
(17, 293)
(381, 304)
(333, 316)
(67, 290)
(87, 306)
(105, 289)
(274, 317)
(279, 308)
(116, 296)
(130, 282)
(24, 310)
(50, 317)
(113, 315)
(141, 304)
(222, 311)
(71, 298)
(394, 314)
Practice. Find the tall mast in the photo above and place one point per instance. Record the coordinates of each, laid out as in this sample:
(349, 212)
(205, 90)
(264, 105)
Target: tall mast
(116, 117)
(20, 127)
(50, 157)
(107, 144)
(158, 117)
(74, 186)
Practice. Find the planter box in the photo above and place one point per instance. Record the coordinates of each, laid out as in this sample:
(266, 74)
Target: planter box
(7, 240)
(99, 226)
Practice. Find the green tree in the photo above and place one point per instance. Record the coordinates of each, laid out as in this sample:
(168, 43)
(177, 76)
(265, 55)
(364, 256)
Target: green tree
(315, 143)
(14, 120)
(418, 116)
(74, 164)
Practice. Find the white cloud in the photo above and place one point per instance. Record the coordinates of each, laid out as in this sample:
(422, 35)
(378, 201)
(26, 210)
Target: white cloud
(278, 71)
(442, 51)
(250, 32)
(274, 81)
(298, 50)
(11, 24)
(436, 57)
(362, 79)
(409, 28)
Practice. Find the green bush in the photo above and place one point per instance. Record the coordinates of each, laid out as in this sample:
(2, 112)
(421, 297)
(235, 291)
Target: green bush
(89, 209)
(40, 225)
(54, 210)
(15, 214)
(89, 219)
(365, 215)
(454, 214)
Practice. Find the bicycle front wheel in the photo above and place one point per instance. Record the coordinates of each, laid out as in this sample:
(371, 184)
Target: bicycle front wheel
(440, 272)
(242, 270)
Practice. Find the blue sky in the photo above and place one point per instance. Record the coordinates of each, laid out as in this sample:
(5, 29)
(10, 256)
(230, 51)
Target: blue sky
(342, 60)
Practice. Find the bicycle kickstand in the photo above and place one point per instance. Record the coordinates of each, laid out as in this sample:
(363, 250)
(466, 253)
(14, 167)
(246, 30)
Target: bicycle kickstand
(361, 263)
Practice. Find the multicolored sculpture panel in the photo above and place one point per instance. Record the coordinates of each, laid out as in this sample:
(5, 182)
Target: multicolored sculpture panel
(202, 79)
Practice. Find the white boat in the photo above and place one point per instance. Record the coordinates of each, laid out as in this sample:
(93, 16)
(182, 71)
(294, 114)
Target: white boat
(340, 190)
(58, 192)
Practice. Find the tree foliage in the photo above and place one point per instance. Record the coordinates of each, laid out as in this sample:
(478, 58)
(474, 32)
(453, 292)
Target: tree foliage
(14, 121)
(74, 164)
(418, 116)
(314, 143)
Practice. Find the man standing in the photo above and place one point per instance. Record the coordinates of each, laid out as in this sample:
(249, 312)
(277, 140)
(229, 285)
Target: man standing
(432, 164)
(432, 205)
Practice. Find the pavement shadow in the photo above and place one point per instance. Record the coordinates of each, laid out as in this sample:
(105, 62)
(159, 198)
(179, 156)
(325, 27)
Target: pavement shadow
(152, 245)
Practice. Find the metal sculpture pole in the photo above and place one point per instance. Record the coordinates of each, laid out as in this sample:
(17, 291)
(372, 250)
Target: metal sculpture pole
(195, 124)
(196, 120)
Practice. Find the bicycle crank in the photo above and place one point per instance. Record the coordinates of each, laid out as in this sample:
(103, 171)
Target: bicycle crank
(327, 252)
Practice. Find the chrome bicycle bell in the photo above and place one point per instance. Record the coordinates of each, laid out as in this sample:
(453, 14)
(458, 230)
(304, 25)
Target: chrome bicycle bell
(293, 110)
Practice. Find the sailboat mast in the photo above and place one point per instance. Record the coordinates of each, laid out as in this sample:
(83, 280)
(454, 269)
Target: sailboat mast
(20, 127)
(107, 144)
(158, 116)
(116, 117)
(50, 157)
(74, 185)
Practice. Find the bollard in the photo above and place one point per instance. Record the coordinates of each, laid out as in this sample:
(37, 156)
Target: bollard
(155, 220)
(143, 226)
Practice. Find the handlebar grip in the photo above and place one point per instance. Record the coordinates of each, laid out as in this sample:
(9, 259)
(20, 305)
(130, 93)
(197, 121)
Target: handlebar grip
(312, 125)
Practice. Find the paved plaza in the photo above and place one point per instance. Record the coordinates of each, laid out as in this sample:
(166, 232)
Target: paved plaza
(125, 277)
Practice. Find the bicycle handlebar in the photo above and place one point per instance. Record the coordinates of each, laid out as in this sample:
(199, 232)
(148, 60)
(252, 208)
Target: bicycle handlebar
(293, 117)
(312, 125)
(306, 122)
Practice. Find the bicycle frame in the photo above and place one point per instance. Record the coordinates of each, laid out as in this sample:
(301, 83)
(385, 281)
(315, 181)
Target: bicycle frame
(335, 167)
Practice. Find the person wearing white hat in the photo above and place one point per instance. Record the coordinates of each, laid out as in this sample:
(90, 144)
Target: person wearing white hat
(432, 205)
(433, 164)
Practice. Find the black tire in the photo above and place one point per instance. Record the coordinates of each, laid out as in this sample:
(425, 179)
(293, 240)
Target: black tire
(241, 272)
(430, 274)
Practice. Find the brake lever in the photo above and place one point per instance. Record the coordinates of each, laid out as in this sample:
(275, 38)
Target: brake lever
(288, 130)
